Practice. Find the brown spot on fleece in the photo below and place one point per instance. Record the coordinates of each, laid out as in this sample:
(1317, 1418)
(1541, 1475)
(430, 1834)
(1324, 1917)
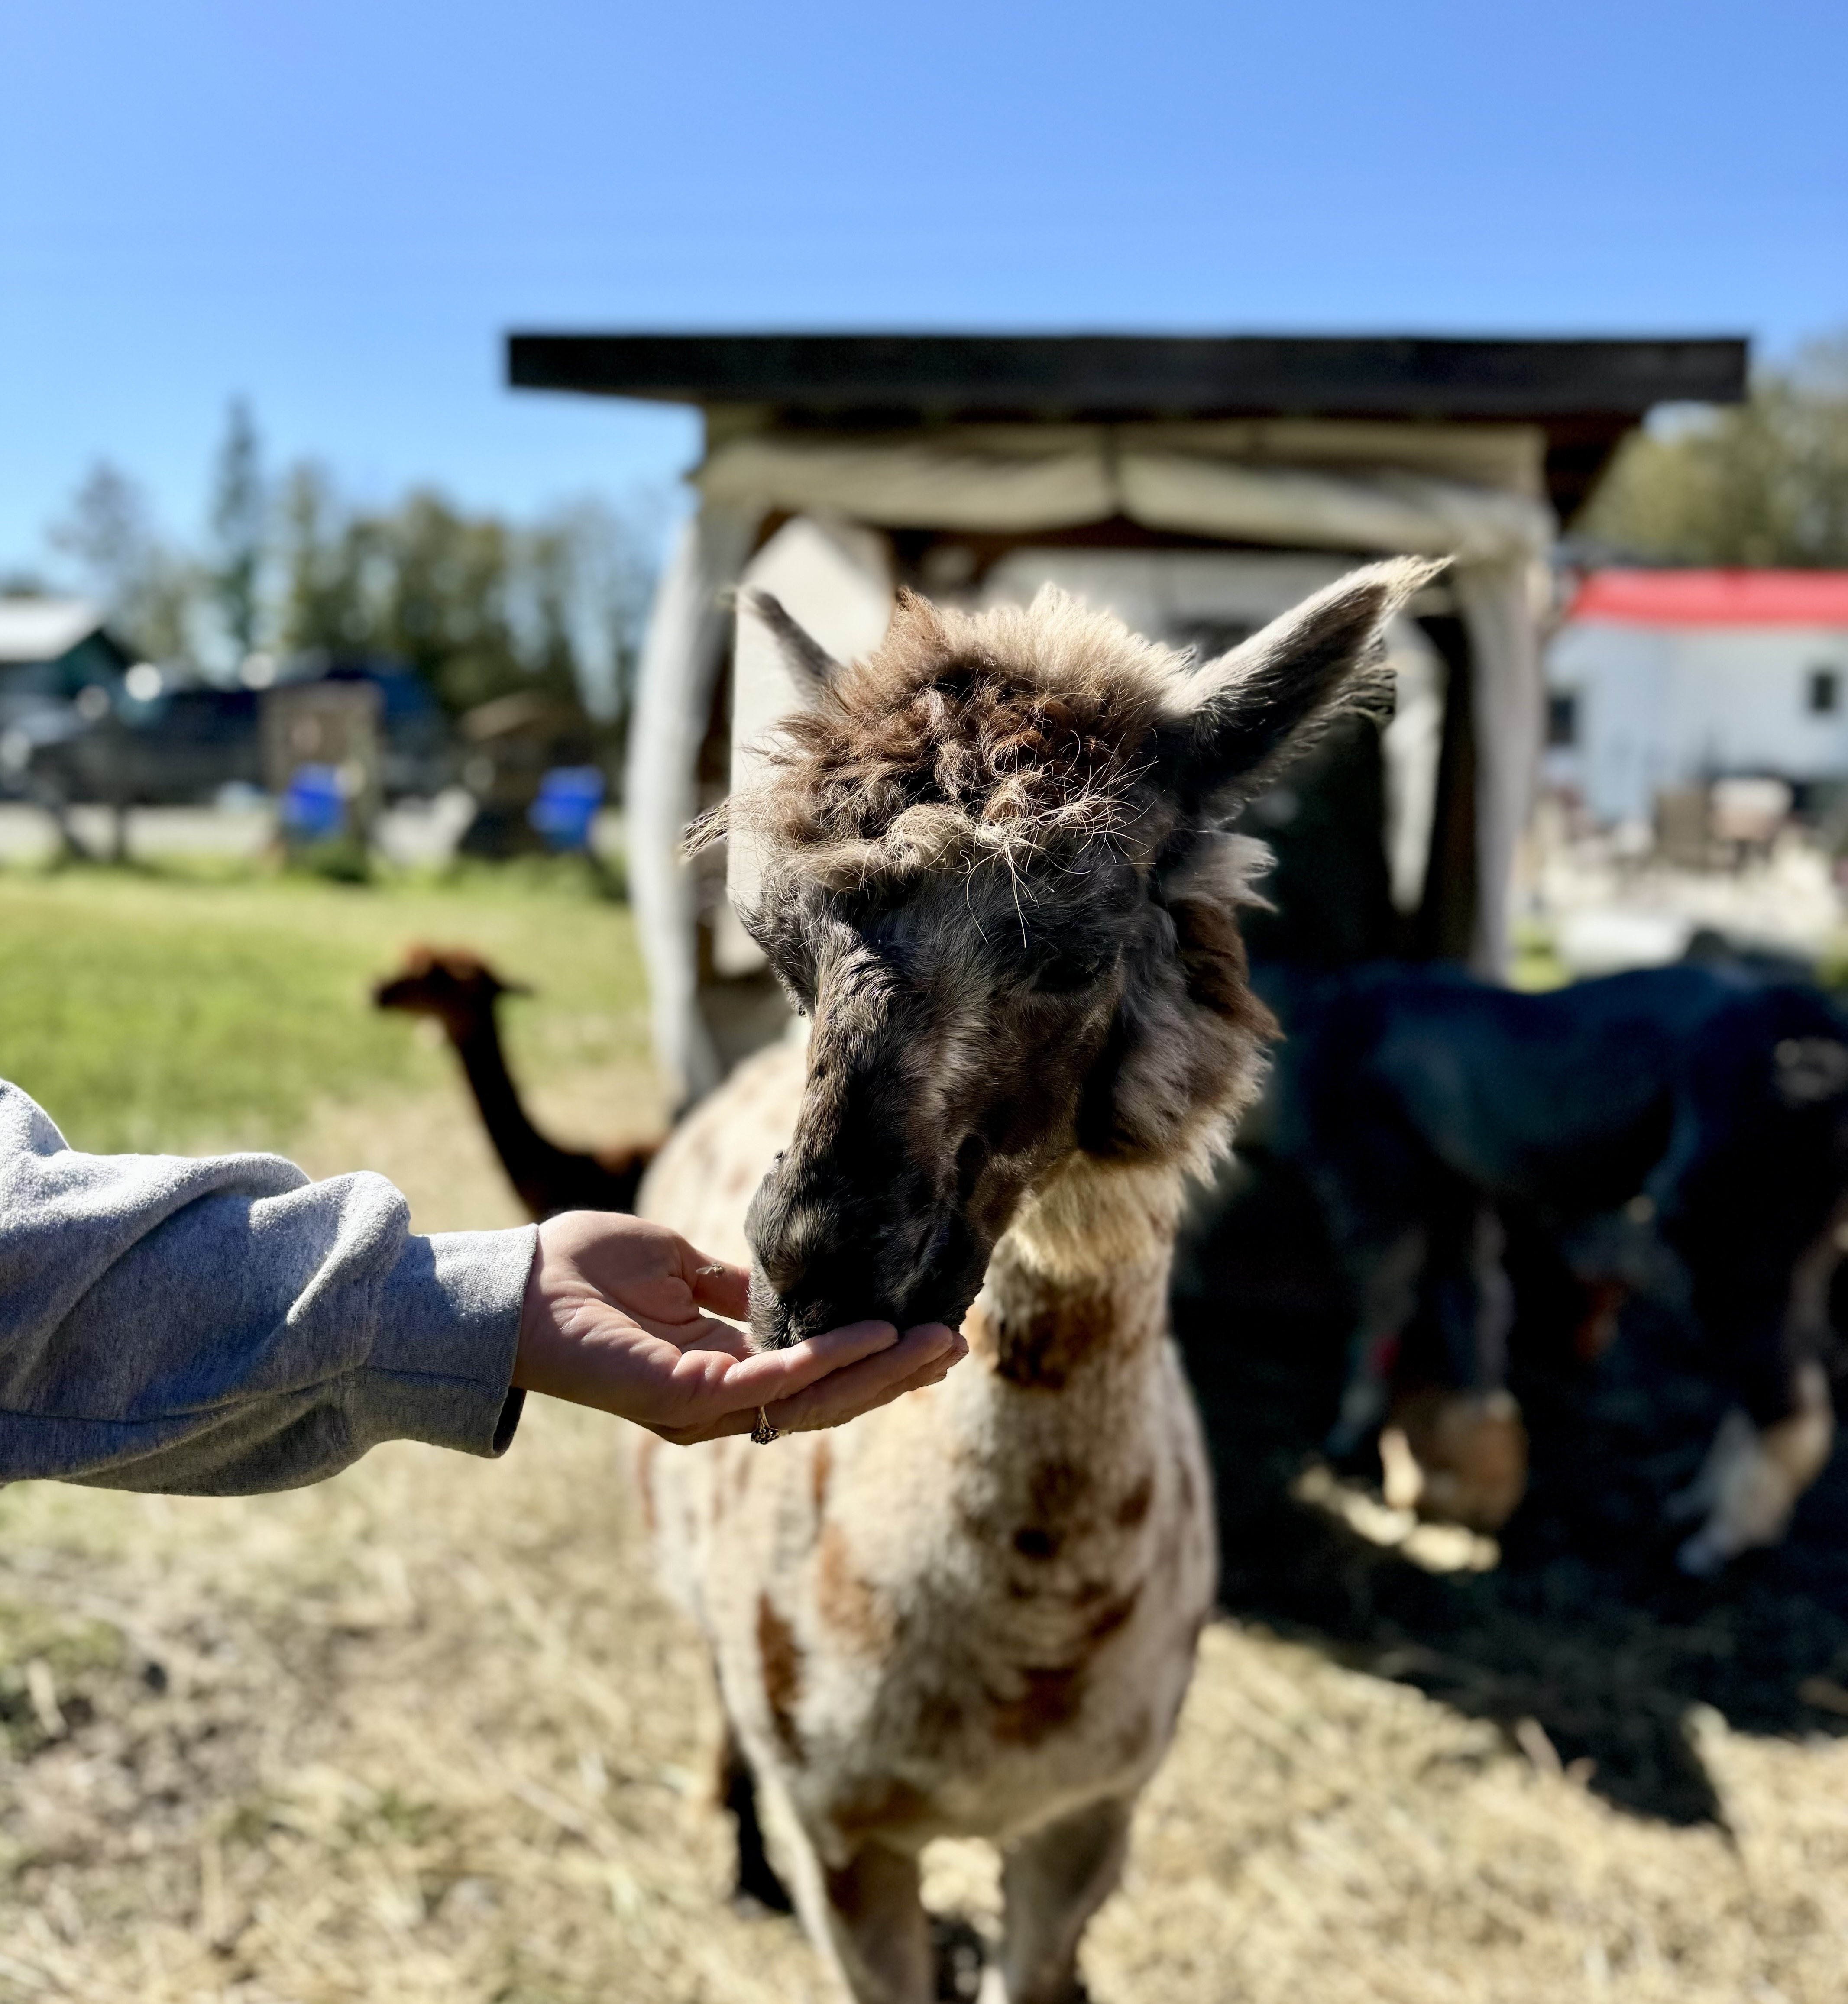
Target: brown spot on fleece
(1038, 1348)
(1134, 1506)
(781, 1657)
(845, 1601)
(1056, 1489)
(885, 1803)
(1048, 1698)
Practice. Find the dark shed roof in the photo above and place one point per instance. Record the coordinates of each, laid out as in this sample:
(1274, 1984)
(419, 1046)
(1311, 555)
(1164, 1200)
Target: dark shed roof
(1585, 394)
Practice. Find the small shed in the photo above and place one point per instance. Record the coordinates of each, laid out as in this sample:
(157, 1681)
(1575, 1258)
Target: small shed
(1196, 486)
(1662, 680)
(321, 723)
(59, 667)
(52, 650)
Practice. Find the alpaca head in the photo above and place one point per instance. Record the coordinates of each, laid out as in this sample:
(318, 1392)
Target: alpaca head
(449, 983)
(994, 872)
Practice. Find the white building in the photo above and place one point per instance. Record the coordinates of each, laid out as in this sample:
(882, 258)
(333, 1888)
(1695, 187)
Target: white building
(1662, 679)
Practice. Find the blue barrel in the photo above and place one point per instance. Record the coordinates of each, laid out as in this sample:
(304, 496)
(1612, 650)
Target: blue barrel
(568, 799)
(313, 808)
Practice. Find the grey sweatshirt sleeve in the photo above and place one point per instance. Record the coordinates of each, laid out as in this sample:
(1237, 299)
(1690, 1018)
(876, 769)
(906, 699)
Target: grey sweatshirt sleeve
(223, 1325)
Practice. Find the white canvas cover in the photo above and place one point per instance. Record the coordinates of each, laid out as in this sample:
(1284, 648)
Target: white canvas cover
(1093, 475)
(834, 579)
(681, 653)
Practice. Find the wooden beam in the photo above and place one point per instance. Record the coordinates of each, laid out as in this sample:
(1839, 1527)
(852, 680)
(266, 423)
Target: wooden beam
(870, 377)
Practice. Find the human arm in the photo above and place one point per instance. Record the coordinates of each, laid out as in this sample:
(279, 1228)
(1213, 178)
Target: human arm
(221, 1325)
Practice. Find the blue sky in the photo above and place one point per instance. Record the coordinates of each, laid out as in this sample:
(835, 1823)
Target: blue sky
(336, 209)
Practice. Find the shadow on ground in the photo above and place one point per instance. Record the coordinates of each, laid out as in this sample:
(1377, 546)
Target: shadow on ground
(1585, 1625)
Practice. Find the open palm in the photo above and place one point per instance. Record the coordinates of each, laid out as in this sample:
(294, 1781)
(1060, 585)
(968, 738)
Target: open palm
(623, 1315)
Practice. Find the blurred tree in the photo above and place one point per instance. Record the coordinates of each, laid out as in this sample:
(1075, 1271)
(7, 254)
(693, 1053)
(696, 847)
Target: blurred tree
(240, 530)
(1765, 483)
(479, 607)
(540, 604)
(608, 585)
(145, 590)
(446, 581)
(323, 563)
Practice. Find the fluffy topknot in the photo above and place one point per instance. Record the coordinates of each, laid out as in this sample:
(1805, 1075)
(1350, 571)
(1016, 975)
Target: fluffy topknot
(1012, 730)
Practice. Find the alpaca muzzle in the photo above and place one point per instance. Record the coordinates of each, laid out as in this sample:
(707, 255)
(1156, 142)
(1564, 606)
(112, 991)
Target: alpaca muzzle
(825, 1254)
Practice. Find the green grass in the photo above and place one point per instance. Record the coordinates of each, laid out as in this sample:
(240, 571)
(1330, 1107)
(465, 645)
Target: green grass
(1534, 964)
(174, 1011)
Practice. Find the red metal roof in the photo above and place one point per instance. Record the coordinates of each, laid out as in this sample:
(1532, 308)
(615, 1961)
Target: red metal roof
(1716, 598)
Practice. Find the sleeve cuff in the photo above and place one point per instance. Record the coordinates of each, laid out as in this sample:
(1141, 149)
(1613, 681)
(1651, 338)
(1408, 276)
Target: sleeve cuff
(447, 1327)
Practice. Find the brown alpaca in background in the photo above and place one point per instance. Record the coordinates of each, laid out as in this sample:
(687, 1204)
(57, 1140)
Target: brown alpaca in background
(459, 990)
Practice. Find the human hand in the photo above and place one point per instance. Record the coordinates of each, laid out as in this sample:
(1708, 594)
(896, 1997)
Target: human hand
(614, 1318)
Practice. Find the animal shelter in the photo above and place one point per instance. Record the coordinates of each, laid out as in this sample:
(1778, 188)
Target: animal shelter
(1197, 487)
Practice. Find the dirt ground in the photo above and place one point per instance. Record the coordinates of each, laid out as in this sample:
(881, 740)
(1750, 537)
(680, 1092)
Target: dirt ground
(429, 1732)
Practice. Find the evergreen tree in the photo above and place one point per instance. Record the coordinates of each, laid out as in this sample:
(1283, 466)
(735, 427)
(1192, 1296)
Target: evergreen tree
(240, 527)
(323, 564)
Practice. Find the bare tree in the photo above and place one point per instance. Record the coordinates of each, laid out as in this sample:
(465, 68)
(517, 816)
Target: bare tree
(145, 588)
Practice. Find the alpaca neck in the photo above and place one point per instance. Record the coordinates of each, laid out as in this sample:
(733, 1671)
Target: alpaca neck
(1079, 1284)
(1090, 1219)
(519, 1144)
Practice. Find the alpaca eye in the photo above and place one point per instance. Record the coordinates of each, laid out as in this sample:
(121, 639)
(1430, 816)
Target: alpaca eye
(1065, 973)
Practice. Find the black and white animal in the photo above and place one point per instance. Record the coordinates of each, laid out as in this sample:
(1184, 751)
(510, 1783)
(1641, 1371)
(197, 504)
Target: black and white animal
(1696, 1106)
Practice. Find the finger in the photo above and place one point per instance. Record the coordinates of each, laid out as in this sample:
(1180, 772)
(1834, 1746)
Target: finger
(925, 1352)
(932, 1373)
(719, 1285)
(718, 1429)
(767, 1375)
(822, 1409)
(821, 1405)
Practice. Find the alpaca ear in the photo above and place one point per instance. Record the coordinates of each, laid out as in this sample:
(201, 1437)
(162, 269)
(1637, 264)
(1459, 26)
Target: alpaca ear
(799, 648)
(1238, 719)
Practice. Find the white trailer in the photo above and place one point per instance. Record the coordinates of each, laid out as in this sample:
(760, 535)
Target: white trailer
(1665, 680)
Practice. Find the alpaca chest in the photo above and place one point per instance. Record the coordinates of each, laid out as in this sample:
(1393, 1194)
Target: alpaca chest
(965, 1613)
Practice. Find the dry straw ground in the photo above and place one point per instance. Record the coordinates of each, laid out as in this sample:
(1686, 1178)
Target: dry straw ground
(430, 1732)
